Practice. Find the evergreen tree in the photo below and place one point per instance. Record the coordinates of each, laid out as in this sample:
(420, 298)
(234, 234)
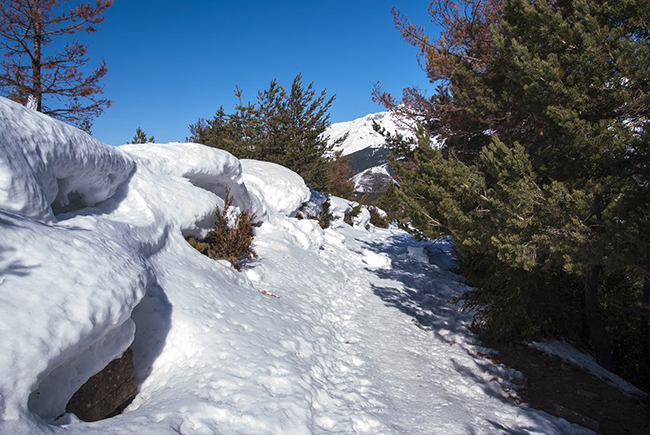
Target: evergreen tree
(27, 27)
(281, 127)
(141, 137)
(543, 181)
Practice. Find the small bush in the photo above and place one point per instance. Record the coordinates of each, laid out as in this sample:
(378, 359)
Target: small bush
(228, 242)
(377, 218)
(351, 214)
(325, 217)
(356, 210)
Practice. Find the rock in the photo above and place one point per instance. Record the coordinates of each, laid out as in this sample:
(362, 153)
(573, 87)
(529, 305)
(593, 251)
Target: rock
(574, 417)
(106, 393)
(586, 394)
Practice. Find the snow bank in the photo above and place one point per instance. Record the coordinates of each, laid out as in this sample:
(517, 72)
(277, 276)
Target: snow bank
(83, 224)
(208, 168)
(46, 165)
(339, 207)
(282, 189)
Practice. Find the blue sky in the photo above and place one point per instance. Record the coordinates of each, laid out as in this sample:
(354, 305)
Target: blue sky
(171, 62)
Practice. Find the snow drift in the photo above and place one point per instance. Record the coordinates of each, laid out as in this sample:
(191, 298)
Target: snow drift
(344, 330)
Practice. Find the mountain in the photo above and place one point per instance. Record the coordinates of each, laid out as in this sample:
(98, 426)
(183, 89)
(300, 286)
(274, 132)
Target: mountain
(366, 148)
(361, 135)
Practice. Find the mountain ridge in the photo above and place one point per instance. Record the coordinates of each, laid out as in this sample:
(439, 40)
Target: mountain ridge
(366, 149)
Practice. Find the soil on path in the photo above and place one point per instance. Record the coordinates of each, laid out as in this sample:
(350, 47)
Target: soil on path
(569, 392)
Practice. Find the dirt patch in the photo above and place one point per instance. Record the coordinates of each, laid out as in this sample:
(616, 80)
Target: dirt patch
(570, 392)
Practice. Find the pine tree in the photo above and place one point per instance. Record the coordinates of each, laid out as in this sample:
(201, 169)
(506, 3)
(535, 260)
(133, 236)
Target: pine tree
(284, 128)
(27, 28)
(141, 137)
(543, 181)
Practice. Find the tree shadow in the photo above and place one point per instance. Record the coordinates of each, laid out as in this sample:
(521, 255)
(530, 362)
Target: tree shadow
(428, 285)
(423, 286)
(492, 389)
(11, 267)
(421, 283)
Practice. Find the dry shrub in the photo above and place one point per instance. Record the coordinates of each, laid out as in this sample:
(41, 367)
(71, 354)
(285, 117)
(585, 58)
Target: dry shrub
(377, 219)
(352, 213)
(325, 217)
(228, 242)
(355, 211)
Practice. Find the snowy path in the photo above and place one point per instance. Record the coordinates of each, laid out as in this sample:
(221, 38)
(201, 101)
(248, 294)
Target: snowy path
(342, 331)
(401, 357)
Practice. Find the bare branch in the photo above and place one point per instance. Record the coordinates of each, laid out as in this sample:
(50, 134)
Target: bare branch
(26, 29)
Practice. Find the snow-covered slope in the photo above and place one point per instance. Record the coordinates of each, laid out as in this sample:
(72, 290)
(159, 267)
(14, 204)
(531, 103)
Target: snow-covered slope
(344, 330)
(366, 149)
(375, 179)
(360, 133)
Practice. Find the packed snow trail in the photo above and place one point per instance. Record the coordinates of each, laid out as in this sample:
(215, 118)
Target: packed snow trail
(347, 330)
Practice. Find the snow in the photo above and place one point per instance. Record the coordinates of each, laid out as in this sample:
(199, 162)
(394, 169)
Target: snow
(361, 134)
(343, 330)
(33, 180)
(339, 207)
(282, 189)
(363, 181)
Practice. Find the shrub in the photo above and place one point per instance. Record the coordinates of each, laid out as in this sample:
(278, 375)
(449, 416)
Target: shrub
(356, 210)
(228, 242)
(284, 126)
(325, 217)
(352, 213)
(377, 218)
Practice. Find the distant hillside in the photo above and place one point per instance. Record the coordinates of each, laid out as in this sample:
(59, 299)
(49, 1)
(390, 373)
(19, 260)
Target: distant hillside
(366, 149)
(361, 134)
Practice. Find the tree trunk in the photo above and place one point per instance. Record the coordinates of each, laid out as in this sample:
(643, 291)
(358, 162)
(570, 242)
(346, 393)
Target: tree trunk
(37, 86)
(644, 330)
(595, 328)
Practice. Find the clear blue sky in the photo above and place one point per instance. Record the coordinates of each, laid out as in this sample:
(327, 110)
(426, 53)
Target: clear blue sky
(171, 62)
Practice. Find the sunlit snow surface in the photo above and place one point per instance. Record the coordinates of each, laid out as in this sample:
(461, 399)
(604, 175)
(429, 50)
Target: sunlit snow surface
(346, 330)
(361, 134)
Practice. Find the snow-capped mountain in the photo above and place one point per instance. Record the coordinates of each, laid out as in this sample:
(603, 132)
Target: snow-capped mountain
(361, 135)
(366, 148)
(373, 180)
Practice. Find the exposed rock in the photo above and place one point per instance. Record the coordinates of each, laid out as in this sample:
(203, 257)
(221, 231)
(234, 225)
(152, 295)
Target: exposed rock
(572, 393)
(587, 394)
(106, 393)
(574, 417)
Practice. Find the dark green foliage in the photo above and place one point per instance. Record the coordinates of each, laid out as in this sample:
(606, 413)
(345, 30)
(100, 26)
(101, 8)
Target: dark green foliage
(399, 147)
(390, 202)
(544, 179)
(141, 137)
(227, 241)
(281, 127)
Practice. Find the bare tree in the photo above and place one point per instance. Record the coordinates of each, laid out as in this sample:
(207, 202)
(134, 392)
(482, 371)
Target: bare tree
(52, 83)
